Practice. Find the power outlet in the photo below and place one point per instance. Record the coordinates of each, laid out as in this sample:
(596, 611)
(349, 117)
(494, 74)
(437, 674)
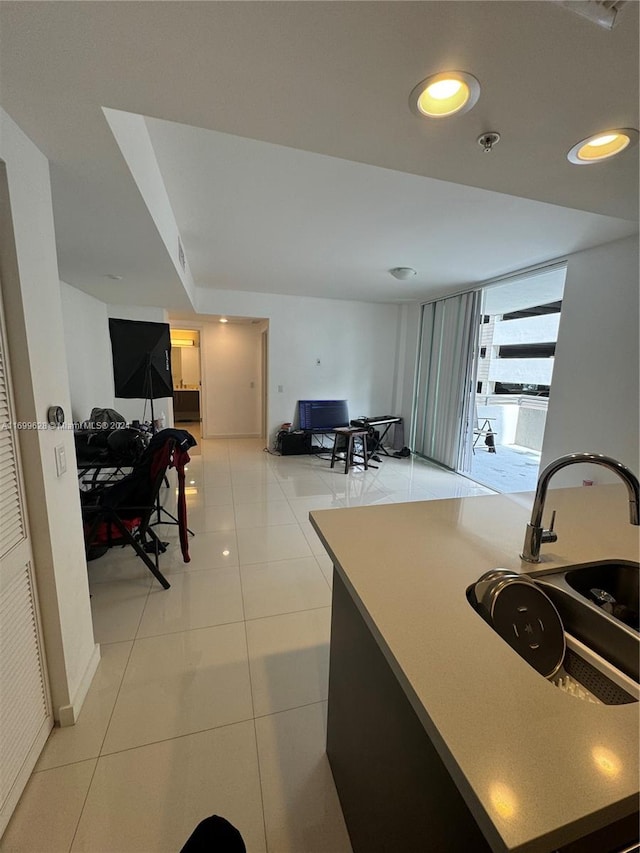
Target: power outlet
(61, 460)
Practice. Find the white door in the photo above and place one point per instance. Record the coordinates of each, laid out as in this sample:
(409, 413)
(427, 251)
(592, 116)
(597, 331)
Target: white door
(25, 708)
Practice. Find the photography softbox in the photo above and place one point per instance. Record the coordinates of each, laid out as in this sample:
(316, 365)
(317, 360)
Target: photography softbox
(141, 359)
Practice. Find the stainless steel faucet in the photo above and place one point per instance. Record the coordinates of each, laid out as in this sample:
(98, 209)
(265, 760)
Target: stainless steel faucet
(536, 534)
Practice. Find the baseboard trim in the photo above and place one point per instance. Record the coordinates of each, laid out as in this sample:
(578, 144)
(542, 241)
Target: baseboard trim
(235, 435)
(67, 715)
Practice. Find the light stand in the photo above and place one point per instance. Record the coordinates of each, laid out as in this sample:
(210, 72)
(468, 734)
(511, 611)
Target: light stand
(148, 384)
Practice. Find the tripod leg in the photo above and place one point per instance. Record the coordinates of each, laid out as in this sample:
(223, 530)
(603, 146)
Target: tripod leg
(150, 564)
(155, 543)
(174, 520)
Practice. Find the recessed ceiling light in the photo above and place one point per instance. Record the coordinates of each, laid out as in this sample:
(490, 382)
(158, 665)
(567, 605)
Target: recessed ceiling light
(402, 273)
(445, 94)
(223, 320)
(602, 146)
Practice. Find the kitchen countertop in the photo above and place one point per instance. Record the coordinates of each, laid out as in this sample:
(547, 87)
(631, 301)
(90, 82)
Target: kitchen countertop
(536, 766)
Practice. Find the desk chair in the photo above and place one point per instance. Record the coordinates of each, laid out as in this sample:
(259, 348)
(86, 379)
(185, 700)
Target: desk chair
(344, 441)
(119, 514)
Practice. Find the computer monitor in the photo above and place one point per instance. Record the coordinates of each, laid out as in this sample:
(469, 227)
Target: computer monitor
(322, 415)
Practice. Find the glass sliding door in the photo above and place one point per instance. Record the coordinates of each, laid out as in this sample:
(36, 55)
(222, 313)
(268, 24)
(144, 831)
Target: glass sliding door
(443, 404)
(514, 358)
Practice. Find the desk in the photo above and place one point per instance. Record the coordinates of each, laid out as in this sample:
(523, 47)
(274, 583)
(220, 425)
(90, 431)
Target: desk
(102, 457)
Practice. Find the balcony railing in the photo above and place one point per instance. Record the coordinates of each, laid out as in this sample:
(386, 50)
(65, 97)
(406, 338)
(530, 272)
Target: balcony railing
(518, 418)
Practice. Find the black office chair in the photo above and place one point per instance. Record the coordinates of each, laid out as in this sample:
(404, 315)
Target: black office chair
(119, 514)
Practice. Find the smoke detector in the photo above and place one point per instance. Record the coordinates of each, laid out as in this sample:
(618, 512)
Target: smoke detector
(600, 12)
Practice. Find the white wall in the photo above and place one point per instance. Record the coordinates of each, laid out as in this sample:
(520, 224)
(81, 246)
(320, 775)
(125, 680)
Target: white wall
(407, 347)
(31, 294)
(189, 366)
(594, 400)
(89, 356)
(231, 367)
(88, 352)
(354, 341)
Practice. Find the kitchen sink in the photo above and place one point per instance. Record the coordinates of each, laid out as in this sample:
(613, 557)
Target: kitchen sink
(618, 582)
(598, 604)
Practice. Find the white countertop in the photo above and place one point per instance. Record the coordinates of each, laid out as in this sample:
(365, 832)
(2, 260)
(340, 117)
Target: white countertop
(537, 767)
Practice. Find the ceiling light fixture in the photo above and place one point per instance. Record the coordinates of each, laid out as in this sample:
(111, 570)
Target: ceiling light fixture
(445, 94)
(182, 342)
(114, 277)
(602, 146)
(223, 320)
(402, 273)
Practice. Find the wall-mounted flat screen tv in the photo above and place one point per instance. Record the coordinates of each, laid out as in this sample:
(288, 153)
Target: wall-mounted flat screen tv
(322, 415)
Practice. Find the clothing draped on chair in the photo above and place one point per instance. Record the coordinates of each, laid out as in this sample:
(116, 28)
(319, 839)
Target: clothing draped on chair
(178, 459)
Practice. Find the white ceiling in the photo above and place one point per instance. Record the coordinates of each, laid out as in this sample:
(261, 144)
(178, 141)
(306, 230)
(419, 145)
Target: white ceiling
(289, 154)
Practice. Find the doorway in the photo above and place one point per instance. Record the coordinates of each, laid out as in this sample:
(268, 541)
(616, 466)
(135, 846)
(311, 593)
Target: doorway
(514, 359)
(224, 360)
(187, 380)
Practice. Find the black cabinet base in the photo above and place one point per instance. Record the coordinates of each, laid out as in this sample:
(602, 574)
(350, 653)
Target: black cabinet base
(395, 792)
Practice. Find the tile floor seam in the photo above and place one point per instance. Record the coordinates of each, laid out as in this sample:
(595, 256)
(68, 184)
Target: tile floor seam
(175, 737)
(84, 804)
(37, 771)
(279, 560)
(289, 613)
(193, 570)
(115, 701)
(293, 708)
(253, 711)
(264, 816)
(189, 630)
(246, 643)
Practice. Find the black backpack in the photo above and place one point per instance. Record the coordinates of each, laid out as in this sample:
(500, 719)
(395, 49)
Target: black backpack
(105, 419)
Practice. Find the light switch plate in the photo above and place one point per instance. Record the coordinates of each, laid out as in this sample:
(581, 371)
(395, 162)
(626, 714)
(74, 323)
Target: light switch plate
(61, 460)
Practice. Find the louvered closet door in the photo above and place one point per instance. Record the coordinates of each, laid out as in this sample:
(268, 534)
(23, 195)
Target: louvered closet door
(25, 716)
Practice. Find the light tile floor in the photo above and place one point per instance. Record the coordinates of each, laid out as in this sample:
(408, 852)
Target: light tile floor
(210, 697)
